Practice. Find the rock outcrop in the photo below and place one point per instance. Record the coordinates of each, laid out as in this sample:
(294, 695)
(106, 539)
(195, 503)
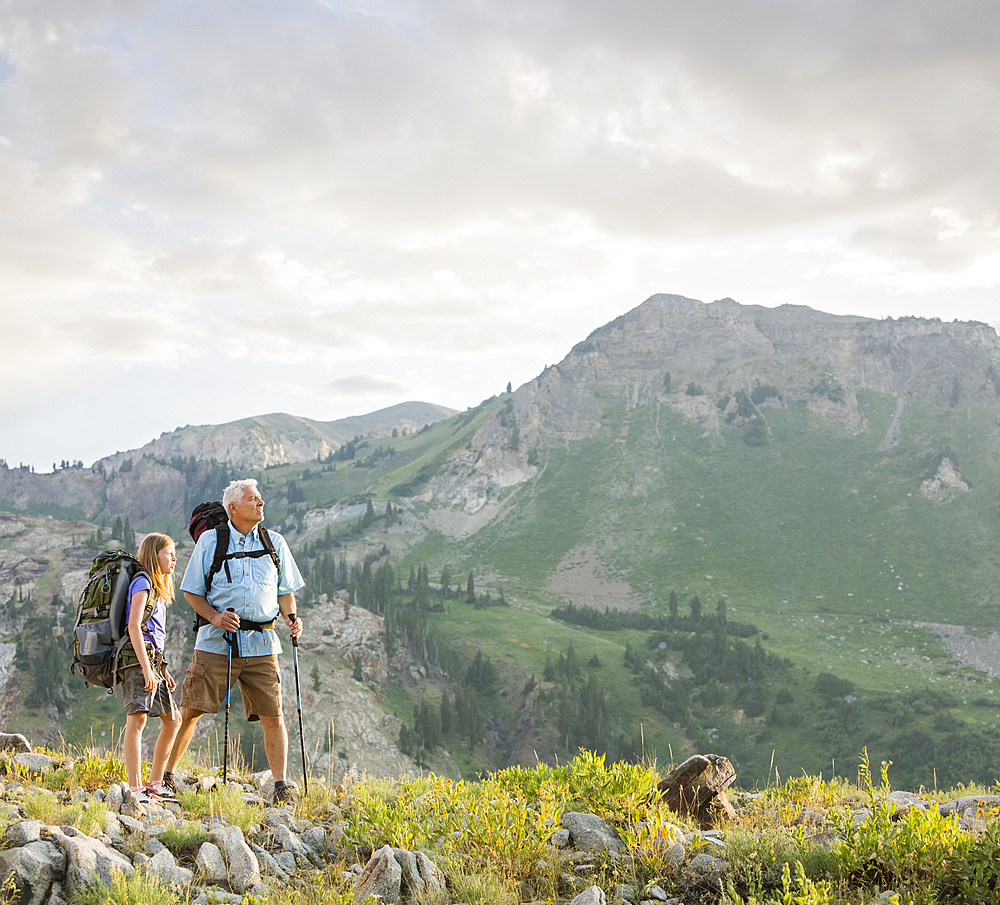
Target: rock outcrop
(692, 356)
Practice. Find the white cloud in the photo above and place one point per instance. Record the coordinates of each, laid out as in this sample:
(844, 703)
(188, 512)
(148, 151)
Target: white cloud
(333, 192)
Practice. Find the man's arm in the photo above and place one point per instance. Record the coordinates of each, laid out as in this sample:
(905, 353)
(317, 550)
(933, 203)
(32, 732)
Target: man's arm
(286, 603)
(228, 622)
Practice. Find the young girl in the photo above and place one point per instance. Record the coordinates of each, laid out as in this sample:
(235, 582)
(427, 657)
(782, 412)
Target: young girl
(147, 685)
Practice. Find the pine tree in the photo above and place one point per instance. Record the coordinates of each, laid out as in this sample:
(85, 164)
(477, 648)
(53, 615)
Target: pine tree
(446, 714)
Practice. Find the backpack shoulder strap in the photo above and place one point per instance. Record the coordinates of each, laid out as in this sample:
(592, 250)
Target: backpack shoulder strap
(128, 571)
(150, 602)
(265, 539)
(119, 606)
(219, 559)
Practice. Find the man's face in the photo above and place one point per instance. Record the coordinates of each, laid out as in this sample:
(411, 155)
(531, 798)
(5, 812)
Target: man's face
(251, 507)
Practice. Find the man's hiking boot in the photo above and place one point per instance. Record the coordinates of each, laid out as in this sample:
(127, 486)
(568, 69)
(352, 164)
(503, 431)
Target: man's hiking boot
(169, 784)
(283, 795)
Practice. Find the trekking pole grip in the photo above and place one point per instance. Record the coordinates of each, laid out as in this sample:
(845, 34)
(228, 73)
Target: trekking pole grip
(295, 641)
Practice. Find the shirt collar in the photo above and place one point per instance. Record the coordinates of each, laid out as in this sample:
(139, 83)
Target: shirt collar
(250, 535)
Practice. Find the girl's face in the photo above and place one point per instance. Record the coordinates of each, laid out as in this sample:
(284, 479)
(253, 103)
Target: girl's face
(167, 559)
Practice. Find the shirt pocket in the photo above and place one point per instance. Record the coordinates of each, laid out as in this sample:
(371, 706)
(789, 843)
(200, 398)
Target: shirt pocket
(263, 571)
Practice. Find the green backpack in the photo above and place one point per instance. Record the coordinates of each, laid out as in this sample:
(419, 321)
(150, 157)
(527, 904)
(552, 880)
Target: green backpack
(101, 645)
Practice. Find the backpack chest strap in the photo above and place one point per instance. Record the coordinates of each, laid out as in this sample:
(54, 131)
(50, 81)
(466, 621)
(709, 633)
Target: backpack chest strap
(252, 554)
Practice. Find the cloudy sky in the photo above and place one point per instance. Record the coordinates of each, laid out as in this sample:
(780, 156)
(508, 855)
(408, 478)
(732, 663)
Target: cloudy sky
(210, 210)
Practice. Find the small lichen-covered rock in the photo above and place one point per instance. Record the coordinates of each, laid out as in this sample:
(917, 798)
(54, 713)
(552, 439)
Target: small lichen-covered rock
(708, 867)
(24, 832)
(113, 800)
(14, 743)
(588, 833)
(26, 873)
(37, 764)
(593, 895)
(380, 879)
(89, 863)
(210, 863)
(241, 862)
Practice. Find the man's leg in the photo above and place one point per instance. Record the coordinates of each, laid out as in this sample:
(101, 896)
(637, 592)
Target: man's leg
(188, 719)
(275, 745)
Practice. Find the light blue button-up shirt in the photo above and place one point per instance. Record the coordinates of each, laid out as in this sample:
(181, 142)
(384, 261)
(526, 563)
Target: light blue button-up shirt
(253, 592)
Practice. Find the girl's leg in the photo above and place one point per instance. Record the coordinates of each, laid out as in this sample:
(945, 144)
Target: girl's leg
(132, 748)
(164, 742)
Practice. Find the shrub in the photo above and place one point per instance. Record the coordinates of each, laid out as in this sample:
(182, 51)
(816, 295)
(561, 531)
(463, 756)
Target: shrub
(139, 889)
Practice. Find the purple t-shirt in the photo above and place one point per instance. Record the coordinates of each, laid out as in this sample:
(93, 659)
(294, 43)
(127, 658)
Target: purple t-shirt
(155, 629)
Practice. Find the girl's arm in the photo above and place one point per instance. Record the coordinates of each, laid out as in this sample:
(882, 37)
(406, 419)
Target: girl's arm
(138, 607)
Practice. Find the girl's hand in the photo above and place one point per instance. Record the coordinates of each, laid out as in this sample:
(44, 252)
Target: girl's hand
(149, 678)
(171, 684)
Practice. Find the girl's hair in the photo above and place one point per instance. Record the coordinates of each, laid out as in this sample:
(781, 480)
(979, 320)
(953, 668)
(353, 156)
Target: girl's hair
(163, 585)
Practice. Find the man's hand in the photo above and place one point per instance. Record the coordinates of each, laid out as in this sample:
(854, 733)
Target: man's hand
(228, 621)
(294, 625)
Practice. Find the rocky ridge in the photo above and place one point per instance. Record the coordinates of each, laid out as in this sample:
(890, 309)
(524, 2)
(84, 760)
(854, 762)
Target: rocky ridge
(150, 482)
(688, 355)
(265, 440)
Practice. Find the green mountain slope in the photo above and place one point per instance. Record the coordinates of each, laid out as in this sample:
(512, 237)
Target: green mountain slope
(778, 501)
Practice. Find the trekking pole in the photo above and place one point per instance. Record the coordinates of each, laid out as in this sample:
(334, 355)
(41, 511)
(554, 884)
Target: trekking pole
(298, 701)
(229, 682)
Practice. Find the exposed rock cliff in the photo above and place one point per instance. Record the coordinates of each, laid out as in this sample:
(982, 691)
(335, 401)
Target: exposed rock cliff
(696, 357)
(152, 481)
(275, 439)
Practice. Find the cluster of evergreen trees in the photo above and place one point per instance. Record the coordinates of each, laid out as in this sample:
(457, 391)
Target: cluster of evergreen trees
(43, 655)
(613, 620)
(121, 531)
(454, 719)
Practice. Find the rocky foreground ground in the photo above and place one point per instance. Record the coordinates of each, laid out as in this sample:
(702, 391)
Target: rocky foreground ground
(43, 864)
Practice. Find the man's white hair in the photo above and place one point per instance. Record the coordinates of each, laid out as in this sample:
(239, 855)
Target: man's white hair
(234, 492)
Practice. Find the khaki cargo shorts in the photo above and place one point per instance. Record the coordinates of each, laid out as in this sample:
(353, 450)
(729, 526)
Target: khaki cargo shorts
(158, 702)
(204, 686)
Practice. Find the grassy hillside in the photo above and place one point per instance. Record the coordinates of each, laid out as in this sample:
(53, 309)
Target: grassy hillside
(818, 537)
(816, 521)
(813, 533)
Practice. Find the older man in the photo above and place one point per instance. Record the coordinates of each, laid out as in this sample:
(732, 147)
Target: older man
(243, 599)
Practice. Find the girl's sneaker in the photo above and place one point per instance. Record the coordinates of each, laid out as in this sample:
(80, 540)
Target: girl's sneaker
(139, 796)
(158, 791)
